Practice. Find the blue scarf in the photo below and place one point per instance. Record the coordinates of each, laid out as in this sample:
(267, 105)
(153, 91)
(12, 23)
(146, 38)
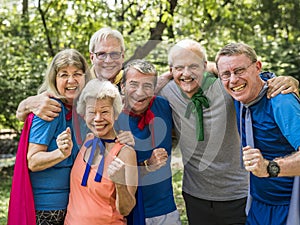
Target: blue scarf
(94, 143)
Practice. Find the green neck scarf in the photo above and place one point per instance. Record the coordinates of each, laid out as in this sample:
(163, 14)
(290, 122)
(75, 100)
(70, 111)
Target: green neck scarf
(198, 101)
(196, 105)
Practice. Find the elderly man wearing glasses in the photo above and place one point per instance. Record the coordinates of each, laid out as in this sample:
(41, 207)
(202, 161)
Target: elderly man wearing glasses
(269, 130)
(107, 54)
(214, 186)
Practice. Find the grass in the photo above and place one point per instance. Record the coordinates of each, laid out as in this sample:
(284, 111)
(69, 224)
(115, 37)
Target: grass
(177, 180)
(7, 171)
(5, 177)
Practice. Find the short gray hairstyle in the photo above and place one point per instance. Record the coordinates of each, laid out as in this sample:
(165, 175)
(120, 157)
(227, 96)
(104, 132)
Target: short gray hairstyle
(97, 89)
(239, 48)
(104, 34)
(142, 66)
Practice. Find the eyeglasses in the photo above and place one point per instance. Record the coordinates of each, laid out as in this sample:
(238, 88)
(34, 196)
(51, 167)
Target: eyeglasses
(66, 76)
(191, 68)
(112, 55)
(236, 72)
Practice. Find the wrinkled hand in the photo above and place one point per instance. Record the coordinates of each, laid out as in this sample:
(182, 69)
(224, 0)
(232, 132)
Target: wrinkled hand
(254, 162)
(45, 107)
(64, 142)
(282, 84)
(158, 159)
(125, 137)
(116, 171)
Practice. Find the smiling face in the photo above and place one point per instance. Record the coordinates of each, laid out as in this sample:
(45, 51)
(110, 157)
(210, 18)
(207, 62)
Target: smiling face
(100, 118)
(187, 69)
(138, 90)
(70, 81)
(107, 68)
(244, 83)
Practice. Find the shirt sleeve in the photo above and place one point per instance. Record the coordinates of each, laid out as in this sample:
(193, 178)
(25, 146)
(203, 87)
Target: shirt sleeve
(43, 132)
(286, 110)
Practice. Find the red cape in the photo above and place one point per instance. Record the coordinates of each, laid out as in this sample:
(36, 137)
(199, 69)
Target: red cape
(21, 209)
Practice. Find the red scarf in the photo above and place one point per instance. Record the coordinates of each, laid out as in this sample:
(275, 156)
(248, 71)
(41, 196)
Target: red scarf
(145, 118)
(76, 123)
(69, 114)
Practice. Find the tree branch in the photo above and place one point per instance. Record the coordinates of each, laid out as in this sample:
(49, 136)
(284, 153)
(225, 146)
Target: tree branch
(155, 35)
(46, 29)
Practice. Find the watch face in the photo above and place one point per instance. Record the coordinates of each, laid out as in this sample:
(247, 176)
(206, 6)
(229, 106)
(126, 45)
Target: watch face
(273, 169)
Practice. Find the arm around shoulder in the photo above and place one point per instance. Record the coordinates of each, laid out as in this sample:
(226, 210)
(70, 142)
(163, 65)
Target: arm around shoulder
(283, 85)
(41, 105)
(23, 109)
(162, 80)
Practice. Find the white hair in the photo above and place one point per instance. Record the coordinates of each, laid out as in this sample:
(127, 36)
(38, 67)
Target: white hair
(189, 45)
(99, 90)
(104, 34)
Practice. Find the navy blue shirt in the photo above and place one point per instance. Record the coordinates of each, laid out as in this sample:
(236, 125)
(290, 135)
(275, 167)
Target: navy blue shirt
(156, 186)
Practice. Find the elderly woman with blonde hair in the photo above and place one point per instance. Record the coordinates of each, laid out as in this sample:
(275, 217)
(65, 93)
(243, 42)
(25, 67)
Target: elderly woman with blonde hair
(45, 152)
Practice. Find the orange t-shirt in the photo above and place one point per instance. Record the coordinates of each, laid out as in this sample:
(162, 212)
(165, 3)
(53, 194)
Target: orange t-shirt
(95, 203)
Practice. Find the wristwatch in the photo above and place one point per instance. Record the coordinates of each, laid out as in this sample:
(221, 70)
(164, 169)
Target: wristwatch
(273, 169)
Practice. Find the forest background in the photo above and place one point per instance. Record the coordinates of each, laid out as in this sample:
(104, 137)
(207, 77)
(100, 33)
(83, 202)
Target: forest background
(33, 31)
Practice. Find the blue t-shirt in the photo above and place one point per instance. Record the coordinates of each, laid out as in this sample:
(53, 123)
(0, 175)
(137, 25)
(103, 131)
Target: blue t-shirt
(276, 125)
(51, 186)
(156, 186)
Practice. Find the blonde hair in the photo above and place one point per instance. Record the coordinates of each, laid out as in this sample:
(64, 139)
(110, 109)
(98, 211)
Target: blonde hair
(66, 57)
(189, 45)
(99, 89)
(104, 34)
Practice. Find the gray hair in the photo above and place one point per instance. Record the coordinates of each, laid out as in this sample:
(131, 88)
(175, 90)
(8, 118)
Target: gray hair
(66, 57)
(237, 49)
(97, 89)
(189, 45)
(104, 34)
(142, 66)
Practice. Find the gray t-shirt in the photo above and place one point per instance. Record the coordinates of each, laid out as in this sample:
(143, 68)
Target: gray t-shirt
(212, 168)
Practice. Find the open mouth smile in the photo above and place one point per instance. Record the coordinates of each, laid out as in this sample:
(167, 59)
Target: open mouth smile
(71, 88)
(238, 88)
(187, 79)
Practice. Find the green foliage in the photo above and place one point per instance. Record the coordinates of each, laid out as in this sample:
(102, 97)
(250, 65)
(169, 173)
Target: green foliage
(20, 68)
(31, 36)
